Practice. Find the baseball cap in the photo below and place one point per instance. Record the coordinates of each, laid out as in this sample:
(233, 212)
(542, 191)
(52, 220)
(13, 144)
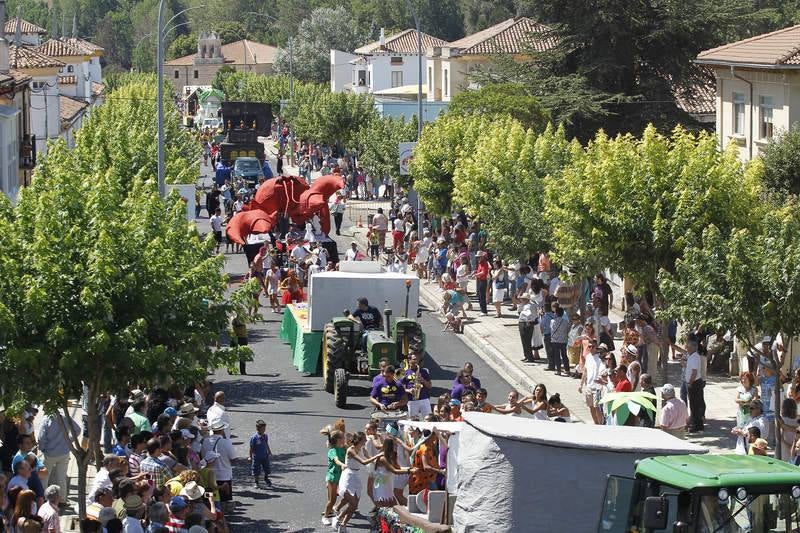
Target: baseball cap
(177, 503)
(171, 411)
(761, 444)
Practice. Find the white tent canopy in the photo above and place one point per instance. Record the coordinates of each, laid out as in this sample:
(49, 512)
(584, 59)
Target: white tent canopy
(520, 474)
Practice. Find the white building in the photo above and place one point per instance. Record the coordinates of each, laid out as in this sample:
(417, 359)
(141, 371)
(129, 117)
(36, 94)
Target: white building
(75, 77)
(385, 66)
(757, 88)
(45, 106)
(94, 53)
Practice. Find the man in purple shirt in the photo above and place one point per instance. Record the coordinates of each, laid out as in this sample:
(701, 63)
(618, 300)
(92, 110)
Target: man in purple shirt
(468, 369)
(421, 406)
(465, 383)
(387, 393)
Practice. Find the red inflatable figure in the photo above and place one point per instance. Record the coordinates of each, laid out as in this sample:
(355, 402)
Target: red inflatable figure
(289, 196)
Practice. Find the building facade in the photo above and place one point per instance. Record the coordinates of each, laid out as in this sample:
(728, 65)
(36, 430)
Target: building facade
(757, 88)
(201, 68)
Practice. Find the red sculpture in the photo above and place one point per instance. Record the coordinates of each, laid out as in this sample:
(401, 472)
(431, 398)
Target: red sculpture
(289, 196)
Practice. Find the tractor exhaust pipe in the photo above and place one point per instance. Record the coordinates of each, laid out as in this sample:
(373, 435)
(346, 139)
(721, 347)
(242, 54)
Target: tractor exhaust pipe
(387, 319)
(408, 294)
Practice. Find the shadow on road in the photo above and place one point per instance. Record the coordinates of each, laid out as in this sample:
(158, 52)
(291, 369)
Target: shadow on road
(243, 392)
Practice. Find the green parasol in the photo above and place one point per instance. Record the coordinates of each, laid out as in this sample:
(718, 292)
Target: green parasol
(624, 404)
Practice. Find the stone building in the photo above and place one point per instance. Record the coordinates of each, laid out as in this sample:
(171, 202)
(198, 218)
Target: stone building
(201, 67)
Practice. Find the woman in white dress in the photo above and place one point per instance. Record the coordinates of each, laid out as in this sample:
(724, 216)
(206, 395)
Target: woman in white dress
(386, 468)
(499, 286)
(350, 483)
(538, 403)
(537, 299)
(403, 460)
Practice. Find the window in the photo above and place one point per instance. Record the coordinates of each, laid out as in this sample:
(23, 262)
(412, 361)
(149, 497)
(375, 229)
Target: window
(430, 80)
(445, 83)
(196, 75)
(70, 69)
(397, 78)
(396, 60)
(38, 85)
(766, 126)
(738, 114)
(177, 74)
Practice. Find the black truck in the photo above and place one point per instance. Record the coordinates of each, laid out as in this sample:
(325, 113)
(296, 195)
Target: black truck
(243, 123)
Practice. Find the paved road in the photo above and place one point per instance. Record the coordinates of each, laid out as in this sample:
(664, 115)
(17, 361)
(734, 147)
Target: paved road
(296, 407)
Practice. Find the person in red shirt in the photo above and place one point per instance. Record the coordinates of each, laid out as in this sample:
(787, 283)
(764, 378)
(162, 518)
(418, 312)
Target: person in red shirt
(622, 385)
(482, 281)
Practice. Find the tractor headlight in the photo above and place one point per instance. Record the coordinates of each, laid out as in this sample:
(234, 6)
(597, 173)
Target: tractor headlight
(796, 492)
(741, 494)
(723, 495)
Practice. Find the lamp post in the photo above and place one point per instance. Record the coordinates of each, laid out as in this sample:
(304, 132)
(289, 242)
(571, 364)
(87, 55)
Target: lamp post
(419, 67)
(162, 186)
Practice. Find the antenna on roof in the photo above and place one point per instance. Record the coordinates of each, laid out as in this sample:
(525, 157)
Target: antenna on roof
(53, 23)
(63, 25)
(18, 31)
(74, 26)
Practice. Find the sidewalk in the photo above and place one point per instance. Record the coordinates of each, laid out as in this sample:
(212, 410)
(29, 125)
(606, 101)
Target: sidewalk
(496, 340)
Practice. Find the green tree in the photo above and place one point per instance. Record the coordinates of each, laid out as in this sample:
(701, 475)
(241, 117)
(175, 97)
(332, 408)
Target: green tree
(480, 14)
(443, 144)
(377, 142)
(633, 205)
(502, 183)
(502, 99)
(323, 30)
(221, 77)
(182, 45)
(782, 164)
(333, 118)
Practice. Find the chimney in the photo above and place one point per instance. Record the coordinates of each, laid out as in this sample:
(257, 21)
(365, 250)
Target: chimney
(382, 40)
(3, 42)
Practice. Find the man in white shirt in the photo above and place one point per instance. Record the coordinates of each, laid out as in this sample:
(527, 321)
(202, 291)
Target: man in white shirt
(381, 224)
(590, 385)
(217, 414)
(51, 523)
(352, 253)
(216, 227)
(221, 446)
(299, 253)
(673, 413)
(694, 382)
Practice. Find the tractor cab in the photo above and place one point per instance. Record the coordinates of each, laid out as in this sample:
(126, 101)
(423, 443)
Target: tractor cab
(704, 494)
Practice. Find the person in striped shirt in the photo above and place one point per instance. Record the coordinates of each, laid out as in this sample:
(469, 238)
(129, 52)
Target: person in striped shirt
(138, 452)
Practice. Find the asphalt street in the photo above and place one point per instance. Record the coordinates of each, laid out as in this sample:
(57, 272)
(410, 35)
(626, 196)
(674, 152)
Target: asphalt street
(295, 408)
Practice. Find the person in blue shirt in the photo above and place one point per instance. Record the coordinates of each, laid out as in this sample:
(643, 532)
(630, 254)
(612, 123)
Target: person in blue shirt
(123, 437)
(260, 452)
(267, 170)
(25, 444)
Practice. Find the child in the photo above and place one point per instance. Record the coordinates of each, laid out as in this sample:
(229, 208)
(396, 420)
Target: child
(260, 452)
(272, 281)
(336, 457)
(123, 437)
(480, 401)
(374, 244)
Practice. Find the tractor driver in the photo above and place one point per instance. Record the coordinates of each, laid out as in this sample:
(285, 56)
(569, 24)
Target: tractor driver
(369, 317)
(387, 393)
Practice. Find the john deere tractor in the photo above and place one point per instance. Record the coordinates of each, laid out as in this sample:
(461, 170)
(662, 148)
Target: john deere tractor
(342, 358)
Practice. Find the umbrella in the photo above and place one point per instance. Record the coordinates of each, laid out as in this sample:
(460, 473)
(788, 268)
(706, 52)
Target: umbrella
(623, 404)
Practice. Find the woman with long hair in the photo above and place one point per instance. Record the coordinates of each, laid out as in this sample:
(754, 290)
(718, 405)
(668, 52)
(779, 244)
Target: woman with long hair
(386, 468)
(538, 403)
(292, 288)
(350, 483)
(24, 518)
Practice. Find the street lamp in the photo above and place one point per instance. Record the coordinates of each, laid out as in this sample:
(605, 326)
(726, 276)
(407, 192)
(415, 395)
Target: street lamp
(162, 187)
(291, 52)
(419, 66)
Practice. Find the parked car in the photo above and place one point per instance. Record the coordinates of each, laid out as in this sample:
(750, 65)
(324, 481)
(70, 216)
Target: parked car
(212, 123)
(249, 169)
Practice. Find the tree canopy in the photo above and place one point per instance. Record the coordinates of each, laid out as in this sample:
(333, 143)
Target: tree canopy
(377, 143)
(782, 164)
(495, 99)
(633, 205)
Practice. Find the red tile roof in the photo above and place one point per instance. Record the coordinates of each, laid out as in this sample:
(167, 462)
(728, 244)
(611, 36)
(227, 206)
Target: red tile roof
(84, 45)
(25, 58)
(58, 48)
(98, 88)
(234, 53)
(775, 49)
(69, 109)
(27, 27)
(512, 36)
(404, 42)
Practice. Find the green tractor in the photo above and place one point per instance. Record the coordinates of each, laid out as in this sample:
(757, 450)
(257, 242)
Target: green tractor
(342, 358)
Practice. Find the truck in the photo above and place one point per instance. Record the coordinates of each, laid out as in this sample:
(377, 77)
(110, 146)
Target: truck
(243, 123)
(704, 493)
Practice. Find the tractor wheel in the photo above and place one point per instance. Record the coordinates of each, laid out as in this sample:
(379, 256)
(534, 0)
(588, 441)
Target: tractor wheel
(340, 388)
(333, 348)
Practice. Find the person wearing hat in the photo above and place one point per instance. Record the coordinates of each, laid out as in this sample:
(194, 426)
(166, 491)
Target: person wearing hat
(134, 512)
(758, 424)
(222, 447)
(673, 413)
(628, 356)
(178, 511)
(352, 253)
(194, 495)
(337, 209)
(591, 385)
(759, 447)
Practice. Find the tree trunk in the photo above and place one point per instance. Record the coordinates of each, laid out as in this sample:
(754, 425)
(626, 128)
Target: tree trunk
(82, 489)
